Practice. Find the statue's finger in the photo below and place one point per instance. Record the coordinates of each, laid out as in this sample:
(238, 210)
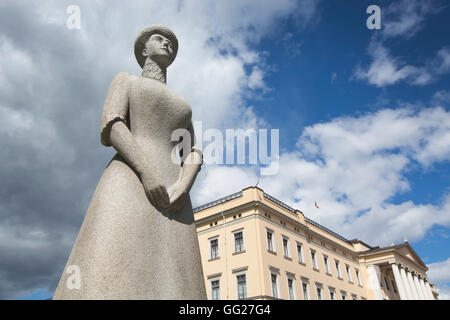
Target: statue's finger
(165, 196)
(158, 197)
(150, 198)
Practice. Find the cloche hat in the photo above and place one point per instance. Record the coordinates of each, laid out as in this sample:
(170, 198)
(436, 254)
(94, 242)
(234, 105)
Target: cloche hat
(145, 34)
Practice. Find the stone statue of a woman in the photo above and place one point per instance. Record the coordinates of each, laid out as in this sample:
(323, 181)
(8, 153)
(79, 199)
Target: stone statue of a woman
(138, 238)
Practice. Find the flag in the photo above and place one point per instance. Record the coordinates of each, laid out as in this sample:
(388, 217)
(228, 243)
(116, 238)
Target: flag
(315, 203)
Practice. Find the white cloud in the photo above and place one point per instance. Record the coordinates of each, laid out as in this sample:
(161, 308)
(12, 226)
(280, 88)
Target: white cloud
(444, 292)
(439, 272)
(52, 85)
(353, 167)
(405, 18)
(441, 98)
(387, 70)
(255, 81)
(333, 77)
(215, 182)
(443, 61)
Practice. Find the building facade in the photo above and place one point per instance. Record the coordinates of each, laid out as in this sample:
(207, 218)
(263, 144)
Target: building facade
(254, 246)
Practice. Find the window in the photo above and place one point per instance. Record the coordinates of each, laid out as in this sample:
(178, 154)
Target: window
(358, 276)
(313, 259)
(332, 294)
(349, 274)
(305, 290)
(273, 277)
(393, 286)
(338, 269)
(242, 286)
(214, 249)
(387, 285)
(287, 254)
(270, 246)
(238, 242)
(354, 297)
(301, 259)
(291, 289)
(215, 289)
(327, 266)
(344, 295)
(319, 292)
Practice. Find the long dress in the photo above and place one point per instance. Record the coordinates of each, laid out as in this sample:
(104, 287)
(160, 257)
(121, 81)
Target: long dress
(126, 247)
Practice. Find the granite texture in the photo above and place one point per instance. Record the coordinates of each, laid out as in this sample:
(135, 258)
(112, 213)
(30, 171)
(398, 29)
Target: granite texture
(138, 238)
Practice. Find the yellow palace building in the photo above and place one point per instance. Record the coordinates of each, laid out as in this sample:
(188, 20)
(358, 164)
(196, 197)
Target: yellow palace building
(254, 246)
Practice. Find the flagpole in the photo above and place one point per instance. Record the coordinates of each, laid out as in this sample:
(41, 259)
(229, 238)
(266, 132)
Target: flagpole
(318, 212)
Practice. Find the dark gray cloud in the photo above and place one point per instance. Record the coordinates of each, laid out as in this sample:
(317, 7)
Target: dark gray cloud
(50, 155)
(52, 86)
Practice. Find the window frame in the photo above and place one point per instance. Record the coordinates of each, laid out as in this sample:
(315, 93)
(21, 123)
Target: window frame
(210, 240)
(287, 247)
(326, 262)
(349, 273)
(337, 264)
(237, 275)
(305, 291)
(276, 293)
(300, 253)
(319, 291)
(358, 277)
(293, 295)
(212, 288)
(272, 240)
(242, 249)
(332, 293)
(315, 265)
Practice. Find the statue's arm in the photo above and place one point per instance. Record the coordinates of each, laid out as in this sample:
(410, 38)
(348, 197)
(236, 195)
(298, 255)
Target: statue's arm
(120, 137)
(191, 165)
(124, 142)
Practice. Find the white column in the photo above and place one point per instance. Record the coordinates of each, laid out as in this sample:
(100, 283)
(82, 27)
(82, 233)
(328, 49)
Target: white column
(424, 289)
(430, 293)
(411, 284)
(374, 281)
(417, 285)
(398, 282)
(406, 284)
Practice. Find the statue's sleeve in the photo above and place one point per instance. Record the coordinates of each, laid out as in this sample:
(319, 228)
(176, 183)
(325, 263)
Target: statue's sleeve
(115, 107)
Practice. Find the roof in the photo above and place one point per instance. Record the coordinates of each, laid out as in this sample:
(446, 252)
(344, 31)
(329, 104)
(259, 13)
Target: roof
(280, 203)
(398, 247)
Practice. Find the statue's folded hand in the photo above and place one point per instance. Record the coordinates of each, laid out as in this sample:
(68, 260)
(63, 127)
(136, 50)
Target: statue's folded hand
(178, 197)
(156, 193)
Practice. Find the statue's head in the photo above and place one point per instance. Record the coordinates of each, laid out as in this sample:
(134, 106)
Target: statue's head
(157, 43)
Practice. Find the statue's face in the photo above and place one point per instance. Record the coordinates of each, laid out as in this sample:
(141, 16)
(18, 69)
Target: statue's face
(159, 49)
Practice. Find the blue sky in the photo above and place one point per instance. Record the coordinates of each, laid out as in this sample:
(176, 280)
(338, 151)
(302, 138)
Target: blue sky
(363, 116)
(317, 84)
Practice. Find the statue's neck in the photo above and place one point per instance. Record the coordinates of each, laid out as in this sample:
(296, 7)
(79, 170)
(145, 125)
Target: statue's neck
(153, 70)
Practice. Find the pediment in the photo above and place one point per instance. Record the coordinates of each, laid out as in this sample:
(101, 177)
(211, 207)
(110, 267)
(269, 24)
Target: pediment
(407, 251)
